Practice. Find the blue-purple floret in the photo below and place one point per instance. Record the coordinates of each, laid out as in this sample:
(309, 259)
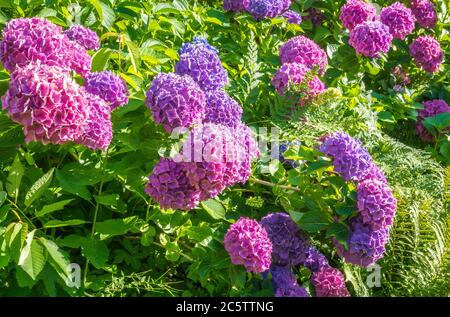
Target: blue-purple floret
(285, 283)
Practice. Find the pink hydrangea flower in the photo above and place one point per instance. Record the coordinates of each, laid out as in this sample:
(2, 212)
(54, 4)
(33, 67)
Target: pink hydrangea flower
(427, 53)
(425, 13)
(355, 12)
(83, 36)
(247, 243)
(399, 19)
(370, 38)
(329, 282)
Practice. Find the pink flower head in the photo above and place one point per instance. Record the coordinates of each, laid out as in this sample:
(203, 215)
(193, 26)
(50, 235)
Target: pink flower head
(83, 36)
(355, 12)
(370, 38)
(247, 243)
(399, 19)
(108, 86)
(425, 13)
(427, 53)
(329, 282)
(302, 50)
(49, 104)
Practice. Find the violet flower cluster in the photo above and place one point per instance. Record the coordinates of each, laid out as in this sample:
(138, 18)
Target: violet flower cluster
(431, 108)
(370, 38)
(108, 86)
(43, 97)
(376, 204)
(426, 53)
(355, 12)
(399, 19)
(248, 244)
(285, 283)
(219, 149)
(424, 12)
(299, 57)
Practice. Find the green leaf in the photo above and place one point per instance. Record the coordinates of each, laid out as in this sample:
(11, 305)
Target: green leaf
(339, 231)
(15, 236)
(58, 259)
(63, 223)
(95, 251)
(100, 59)
(108, 17)
(114, 227)
(444, 149)
(345, 210)
(32, 258)
(214, 208)
(314, 221)
(98, 8)
(199, 233)
(2, 197)
(386, 116)
(71, 187)
(172, 251)
(4, 212)
(134, 55)
(107, 200)
(52, 207)
(439, 122)
(38, 188)
(14, 178)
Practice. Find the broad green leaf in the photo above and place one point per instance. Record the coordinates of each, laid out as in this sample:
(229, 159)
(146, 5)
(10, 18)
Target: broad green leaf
(314, 221)
(4, 212)
(14, 178)
(63, 223)
(95, 251)
(38, 188)
(100, 59)
(98, 8)
(107, 200)
(15, 236)
(214, 208)
(52, 207)
(439, 122)
(134, 55)
(23, 279)
(58, 259)
(113, 227)
(172, 251)
(32, 258)
(71, 187)
(339, 231)
(2, 197)
(108, 16)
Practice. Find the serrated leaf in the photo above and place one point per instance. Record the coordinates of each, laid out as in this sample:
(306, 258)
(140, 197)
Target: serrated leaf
(2, 197)
(58, 258)
(71, 187)
(113, 227)
(107, 200)
(214, 208)
(14, 178)
(95, 251)
(63, 223)
(52, 207)
(108, 17)
(134, 54)
(314, 221)
(38, 188)
(32, 258)
(100, 59)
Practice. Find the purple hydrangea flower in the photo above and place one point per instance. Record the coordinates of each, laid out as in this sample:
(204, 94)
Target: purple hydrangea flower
(204, 66)
(374, 172)
(289, 244)
(97, 132)
(350, 158)
(109, 87)
(84, 37)
(376, 203)
(316, 16)
(222, 109)
(169, 186)
(431, 109)
(35, 39)
(365, 245)
(399, 19)
(49, 104)
(329, 282)
(370, 38)
(315, 261)
(175, 101)
(292, 17)
(197, 41)
(302, 50)
(285, 283)
(427, 53)
(260, 9)
(355, 12)
(316, 87)
(234, 5)
(425, 13)
(247, 243)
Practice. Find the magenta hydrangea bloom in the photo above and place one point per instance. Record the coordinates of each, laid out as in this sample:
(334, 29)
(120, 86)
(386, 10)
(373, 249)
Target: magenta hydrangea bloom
(425, 13)
(97, 132)
(329, 282)
(376, 203)
(427, 53)
(49, 104)
(316, 87)
(315, 261)
(289, 244)
(350, 158)
(285, 284)
(355, 12)
(247, 243)
(235, 5)
(84, 37)
(365, 245)
(169, 186)
(109, 87)
(292, 17)
(301, 49)
(260, 9)
(204, 66)
(399, 19)
(431, 109)
(370, 38)
(35, 39)
(175, 101)
(222, 109)
(287, 74)
(374, 172)
(196, 41)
